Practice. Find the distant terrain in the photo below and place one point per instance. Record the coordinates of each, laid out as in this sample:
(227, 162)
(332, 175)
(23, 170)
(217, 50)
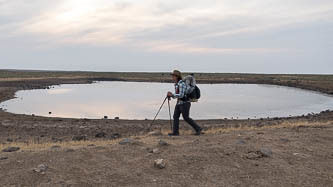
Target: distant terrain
(41, 151)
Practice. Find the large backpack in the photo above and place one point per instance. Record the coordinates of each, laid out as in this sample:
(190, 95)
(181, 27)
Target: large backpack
(192, 90)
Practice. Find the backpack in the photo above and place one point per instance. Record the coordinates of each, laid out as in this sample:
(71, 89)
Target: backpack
(192, 90)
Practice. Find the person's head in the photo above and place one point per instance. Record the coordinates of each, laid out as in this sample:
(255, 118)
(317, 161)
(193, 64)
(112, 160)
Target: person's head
(176, 75)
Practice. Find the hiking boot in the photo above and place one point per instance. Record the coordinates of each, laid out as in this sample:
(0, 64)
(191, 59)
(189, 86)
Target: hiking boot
(199, 132)
(173, 134)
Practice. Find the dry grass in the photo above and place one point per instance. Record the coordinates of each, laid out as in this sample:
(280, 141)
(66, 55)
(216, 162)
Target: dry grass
(33, 145)
(285, 124)
(148, 139)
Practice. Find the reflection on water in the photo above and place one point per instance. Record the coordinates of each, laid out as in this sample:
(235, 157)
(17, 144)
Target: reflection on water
(133, 100)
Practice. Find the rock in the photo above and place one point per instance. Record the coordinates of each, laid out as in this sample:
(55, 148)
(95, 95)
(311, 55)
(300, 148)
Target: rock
(100, 135)
(56, 147)
(116, 118)
(159, 163)
(263, 152)
(105, 117)
(162, 143)
(40, 168)
(115, 136)
(11, 149)
(80, 137)
(252, 155)
(266, 152)
(240, 142)
(156, 151)
(154, 133)
(3, 157)
(69, 150)
(126, 141)
(56, 139)
(50, 113)
(9, 140)
(153, 150)
(91, 145)
(284, 140)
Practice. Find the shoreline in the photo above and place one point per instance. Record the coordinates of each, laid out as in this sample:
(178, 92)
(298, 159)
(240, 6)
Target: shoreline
(11, 124)
(112, 152)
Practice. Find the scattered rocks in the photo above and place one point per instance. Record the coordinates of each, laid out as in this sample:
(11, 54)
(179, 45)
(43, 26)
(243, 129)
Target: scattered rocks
(163, 143)
(80, 138)
(3, 157)
(40, 168)
(11, 149)
(100, 135)
(159, 163)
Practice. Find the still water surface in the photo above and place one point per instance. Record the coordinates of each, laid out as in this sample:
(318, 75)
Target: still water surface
(133, 100)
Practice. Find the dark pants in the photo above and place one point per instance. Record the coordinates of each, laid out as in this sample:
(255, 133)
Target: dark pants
(183, 109)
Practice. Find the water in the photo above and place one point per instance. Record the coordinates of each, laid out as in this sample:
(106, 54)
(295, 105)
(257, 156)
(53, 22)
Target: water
(133, 100)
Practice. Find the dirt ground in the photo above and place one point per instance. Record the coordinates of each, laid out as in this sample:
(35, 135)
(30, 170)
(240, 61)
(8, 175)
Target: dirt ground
(295, 151)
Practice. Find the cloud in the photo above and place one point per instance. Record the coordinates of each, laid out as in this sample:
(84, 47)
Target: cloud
(188, 27)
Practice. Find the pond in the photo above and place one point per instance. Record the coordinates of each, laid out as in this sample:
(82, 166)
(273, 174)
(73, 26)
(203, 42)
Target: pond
(137, 100)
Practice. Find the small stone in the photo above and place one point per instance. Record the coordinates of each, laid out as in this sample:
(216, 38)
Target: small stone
(56, 147)
(116, 118)
(100, 135)
(40, 168)
(50, 113)
(11, 149)
(9, 140)
(266, 152)
(80, 138)
(126, 141)
(240, 142)
(156, 150)
(159, 163)
(69, 150)
(4, 158)
(115, 136)
(284, 140)
(105, 117)
(154, 133)
(163, 143)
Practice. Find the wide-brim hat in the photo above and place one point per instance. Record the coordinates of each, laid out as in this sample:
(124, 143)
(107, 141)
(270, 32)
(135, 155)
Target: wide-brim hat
(177, 73)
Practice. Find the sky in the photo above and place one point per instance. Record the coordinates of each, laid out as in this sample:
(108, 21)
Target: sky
(252, 36)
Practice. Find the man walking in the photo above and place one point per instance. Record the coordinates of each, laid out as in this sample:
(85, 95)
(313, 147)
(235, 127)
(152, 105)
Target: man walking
(183, 105)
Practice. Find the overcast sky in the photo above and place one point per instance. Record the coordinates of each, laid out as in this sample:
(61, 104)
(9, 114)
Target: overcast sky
(261, 36)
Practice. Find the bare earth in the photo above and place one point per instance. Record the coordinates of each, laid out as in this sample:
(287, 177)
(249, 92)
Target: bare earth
(295, 151)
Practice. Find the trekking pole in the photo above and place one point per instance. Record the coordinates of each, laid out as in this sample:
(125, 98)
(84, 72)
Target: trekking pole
(170, 114)
(157, 114)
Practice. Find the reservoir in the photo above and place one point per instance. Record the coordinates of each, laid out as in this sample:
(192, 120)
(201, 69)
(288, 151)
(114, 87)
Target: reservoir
(138, 100)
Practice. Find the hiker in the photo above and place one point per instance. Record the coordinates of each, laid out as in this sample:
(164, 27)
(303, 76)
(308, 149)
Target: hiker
(183, 105)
